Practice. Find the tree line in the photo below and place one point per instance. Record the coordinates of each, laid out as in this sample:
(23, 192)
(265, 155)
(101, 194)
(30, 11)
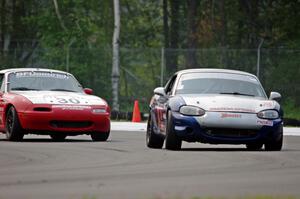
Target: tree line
(76, 35)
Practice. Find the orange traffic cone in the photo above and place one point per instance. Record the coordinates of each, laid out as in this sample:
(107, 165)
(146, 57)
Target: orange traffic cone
(136, 114)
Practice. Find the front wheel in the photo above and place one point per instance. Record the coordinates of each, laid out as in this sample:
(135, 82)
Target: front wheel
(152, 139)
(13, 126)
(173, 142)
(100, 136)
(274, 145)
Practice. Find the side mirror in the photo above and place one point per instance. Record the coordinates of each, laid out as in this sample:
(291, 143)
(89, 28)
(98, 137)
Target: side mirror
(275, 96)
(88, 91)
(160, 91)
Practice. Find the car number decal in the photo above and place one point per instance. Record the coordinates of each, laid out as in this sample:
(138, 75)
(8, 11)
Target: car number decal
(267, 104)
(67, 100)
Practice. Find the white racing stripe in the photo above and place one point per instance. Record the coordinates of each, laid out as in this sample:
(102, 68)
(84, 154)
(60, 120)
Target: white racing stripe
(141, 127)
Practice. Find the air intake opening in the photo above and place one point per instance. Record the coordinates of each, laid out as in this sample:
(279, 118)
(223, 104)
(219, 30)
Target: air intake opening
(70, 124)
(42, 109)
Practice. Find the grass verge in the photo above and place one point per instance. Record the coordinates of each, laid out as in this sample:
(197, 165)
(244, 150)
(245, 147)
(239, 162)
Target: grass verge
(291, 110)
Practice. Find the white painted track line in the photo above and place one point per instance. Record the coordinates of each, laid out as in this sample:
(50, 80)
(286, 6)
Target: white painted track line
(135, 126)
(128, 126)
(291, 131)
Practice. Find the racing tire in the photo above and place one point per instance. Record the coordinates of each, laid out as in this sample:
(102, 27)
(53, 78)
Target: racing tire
(173, 142)
(274, 144)
(100, 136)
(254, 146)
(58, 137)
(152, 139)
(13, 126)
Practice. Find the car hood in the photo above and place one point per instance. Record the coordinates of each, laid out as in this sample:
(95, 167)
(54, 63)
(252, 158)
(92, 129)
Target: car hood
(229, 103)
(60, 97)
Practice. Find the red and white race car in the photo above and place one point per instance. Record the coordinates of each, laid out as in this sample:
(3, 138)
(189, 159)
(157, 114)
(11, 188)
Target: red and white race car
(50, 102)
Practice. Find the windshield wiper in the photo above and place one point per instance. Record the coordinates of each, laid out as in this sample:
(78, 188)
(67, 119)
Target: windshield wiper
(24, 89)
(61, 89)
(237, 93)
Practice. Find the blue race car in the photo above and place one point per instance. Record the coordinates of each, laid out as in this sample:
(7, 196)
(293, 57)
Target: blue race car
(214, 106)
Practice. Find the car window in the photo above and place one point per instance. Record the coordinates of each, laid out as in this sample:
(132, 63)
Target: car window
(170, 85)
(2, 89)
(50, 81)
(205, 83)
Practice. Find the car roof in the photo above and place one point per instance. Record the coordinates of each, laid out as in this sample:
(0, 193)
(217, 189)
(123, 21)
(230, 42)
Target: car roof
(11, 70)
(214, 70)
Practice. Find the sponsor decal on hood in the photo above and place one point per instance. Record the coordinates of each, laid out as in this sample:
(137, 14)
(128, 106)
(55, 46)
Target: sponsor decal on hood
(231, 115)
(217, 103)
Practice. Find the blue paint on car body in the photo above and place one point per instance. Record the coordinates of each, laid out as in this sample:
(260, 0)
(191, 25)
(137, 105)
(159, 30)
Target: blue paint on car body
(188, 129)
(176, 102)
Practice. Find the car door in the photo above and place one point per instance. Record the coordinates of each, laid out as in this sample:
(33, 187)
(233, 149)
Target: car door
(162, 105)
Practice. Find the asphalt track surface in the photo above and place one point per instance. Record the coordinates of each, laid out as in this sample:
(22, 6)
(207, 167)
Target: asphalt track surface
(123, 167)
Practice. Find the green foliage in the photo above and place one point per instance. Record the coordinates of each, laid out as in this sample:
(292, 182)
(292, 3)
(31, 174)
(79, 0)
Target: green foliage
(226, 36)
(291, 110)
(141, 24)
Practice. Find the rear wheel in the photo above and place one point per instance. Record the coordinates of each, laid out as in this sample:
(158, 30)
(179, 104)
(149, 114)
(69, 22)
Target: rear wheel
(173, 142)
(13, 126)
(153, 140)
(58, 137)
(100, 136)
(254, 146)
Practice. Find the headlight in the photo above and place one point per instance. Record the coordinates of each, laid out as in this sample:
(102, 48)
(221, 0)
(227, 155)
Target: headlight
(268, 114)
(99, 110)
(192, 110)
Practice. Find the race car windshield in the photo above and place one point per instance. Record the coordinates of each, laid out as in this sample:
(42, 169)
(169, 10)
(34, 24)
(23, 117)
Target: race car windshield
(42, 81)
(219, 83)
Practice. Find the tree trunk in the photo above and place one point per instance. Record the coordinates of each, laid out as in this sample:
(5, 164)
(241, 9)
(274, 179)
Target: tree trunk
(2, 20)
(250, 9)
(223, 23)
(223, 42)
(59, 16)
(191, 56)
(166, 23)
(171, 53)
(115, 60)
(166, 58)
(8, 25)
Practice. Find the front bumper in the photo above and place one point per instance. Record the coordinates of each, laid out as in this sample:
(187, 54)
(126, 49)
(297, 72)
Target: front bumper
(58, 119)
(232, 130)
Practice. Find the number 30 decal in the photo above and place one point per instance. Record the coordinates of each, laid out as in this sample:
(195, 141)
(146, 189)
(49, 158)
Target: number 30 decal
(66, 101)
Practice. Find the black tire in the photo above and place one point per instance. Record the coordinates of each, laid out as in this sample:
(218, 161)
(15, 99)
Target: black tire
(254, 146)
(173, 142)
(58, 137)
(100, 136)
(153, 140)
(13, 126)
(274, 144)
